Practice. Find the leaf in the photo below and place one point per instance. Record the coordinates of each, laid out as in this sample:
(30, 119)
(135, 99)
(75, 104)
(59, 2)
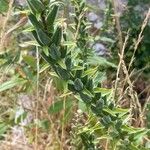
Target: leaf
(43, 37)
(105, 39)
(97, 60)
(68, 63)
(90, 72)
(44, 67)
(78, 85)
(33, 10)
(138, 136)
(3, 6)
(35, 22)
(36, 5)
(29, 43)
(63, 51)
(12, 83)
(103, 91)
(62, 72)
(109, 111)
(115, 111)
(51, 17)
(36, 38)
(30, 60)
(85, 97)
(57, 36)
(54, 52)
(59, 106)
(3, 128)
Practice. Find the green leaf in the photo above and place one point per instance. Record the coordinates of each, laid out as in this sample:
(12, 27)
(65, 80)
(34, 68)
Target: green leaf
(3, 6)
(12, 83)
(33, 10)
(97, 60)
(43, 37)
(59, 106)
(78, 85)
(90, 72)
(62, 72)
(68, 63)
(36, 37)
(109, 111)
(119, 111)
(138, 136)
(35, 22)
(63, 51)
(57, 36)
(54, 52)
(36, 5)
(3, 128)
(85, 97)
(30, 60)
(104, 91)
(29, 43)
(90, 85)
(51, 17)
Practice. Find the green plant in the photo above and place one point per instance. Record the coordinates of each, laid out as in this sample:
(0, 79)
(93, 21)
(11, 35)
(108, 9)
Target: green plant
(3, 6)
(107, 121)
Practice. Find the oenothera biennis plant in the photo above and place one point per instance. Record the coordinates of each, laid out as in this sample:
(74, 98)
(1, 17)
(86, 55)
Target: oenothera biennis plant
(74, 65)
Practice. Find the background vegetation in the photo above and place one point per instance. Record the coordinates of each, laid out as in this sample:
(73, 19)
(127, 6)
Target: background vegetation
(73, 76)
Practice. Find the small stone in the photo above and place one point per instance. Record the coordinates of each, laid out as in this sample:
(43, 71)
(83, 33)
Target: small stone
(99, 49)
(92, 17)
(79, 111)
(98, 25)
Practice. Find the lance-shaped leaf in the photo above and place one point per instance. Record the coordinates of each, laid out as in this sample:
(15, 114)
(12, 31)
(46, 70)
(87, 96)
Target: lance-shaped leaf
(12, 83)
(57, 36)
(31, 7)
(43, 37)
(68, 63)
(62, 73)
(54, 52)
(35, 22)
(63, 51)
(90, 85)
(36, 37)
(51, 17)
(36, 6)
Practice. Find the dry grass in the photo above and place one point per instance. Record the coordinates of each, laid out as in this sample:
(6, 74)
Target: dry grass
(134, 102)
